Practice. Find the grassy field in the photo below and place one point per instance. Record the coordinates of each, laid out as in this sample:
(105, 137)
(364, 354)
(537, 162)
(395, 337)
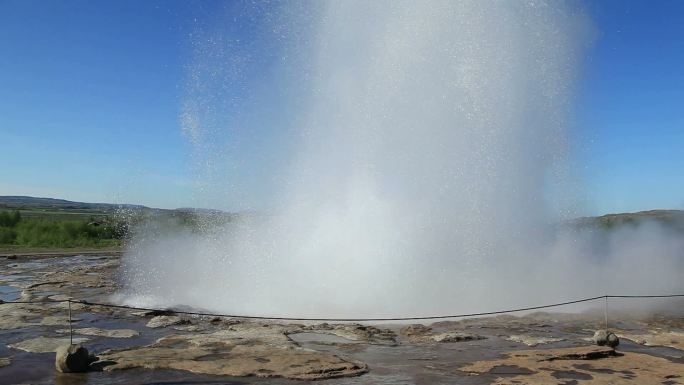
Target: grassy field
(40, 225)
(36, 229)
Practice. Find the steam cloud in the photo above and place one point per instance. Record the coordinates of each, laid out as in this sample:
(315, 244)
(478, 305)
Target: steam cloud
(420, 167)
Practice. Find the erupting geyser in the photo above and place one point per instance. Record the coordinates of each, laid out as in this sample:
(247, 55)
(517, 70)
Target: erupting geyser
(414, 162)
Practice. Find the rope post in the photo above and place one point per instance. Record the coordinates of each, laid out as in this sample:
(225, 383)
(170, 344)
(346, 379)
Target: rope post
(71, 331)
(605, 311)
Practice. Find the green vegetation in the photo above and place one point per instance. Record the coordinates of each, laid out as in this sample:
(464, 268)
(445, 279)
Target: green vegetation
(670, 220)
(52, 231)
(30, 224)
(44, 224)
(9, 219)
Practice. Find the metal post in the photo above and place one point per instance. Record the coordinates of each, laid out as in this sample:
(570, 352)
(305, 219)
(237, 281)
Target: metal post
(605, 311)
(71, 331)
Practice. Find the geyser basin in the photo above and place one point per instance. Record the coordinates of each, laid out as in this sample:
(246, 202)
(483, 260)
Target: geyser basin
(413, 162)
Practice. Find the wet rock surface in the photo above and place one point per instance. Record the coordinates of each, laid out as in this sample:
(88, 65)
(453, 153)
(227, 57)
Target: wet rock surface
(113, 333)
(248, 350)
(451, 337)
(356, 332)
(592, 364)
(45, 344)
(421, 334)
(533, 340)
(163, 321)
(203, 349)
(667, 338)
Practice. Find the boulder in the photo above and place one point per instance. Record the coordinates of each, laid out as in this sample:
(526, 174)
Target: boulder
(604, 337)
(601, 337)
(613, 341)
(72, 359)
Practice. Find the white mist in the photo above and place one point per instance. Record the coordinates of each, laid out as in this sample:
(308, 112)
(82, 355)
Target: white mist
(416, 175)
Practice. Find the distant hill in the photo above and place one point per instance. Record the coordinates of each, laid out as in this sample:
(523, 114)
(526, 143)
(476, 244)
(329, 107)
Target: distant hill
(671, 218)
(21, 202)
(13, 202)
(674, 218)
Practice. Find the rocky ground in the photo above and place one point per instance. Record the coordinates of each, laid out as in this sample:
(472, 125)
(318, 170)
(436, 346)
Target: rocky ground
(134, 347)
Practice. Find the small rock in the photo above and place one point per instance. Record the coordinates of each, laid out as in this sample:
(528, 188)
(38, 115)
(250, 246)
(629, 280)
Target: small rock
(454, 337)
(162, 321)
(72, 359)
(27, 296)
(606, 338)
(613, 341)
(414, 329)
(324, 326)
(601, 337)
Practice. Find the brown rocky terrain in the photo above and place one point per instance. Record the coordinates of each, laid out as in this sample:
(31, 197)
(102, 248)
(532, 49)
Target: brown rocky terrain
(142, 346)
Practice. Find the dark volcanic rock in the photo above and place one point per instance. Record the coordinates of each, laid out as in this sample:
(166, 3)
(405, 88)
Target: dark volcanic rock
(613, 341)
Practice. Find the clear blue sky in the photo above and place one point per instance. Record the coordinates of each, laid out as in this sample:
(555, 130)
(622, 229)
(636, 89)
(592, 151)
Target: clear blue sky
(90, 93)
(631, 106)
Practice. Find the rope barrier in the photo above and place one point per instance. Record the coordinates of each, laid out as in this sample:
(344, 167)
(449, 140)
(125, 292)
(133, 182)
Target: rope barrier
(109, 305)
